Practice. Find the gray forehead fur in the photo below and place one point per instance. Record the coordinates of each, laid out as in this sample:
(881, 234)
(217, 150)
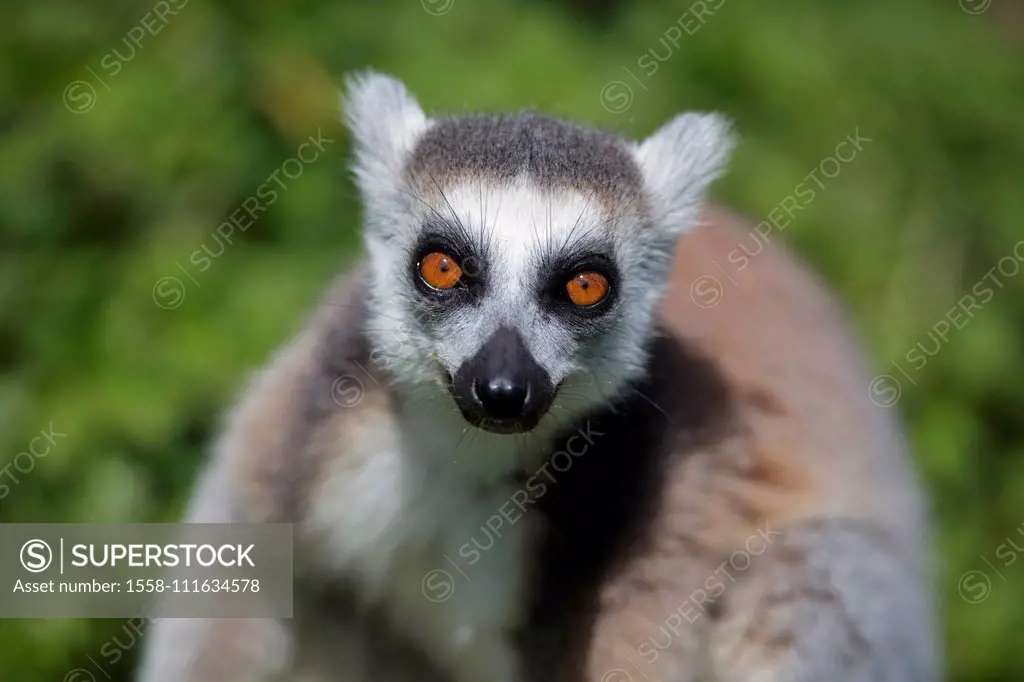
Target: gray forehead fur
(550, 151)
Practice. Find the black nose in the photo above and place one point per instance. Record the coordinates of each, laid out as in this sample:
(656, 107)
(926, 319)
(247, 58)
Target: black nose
(502, 388)
(502, 397)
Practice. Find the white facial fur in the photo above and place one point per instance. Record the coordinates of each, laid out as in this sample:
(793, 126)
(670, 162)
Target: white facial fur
(519, 220)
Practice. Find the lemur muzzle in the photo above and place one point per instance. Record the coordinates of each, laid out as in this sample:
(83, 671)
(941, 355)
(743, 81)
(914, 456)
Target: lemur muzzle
(502, 388)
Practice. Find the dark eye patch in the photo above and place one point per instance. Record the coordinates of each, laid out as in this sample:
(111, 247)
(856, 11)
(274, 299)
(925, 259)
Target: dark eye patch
(444, 237)
(560, 269)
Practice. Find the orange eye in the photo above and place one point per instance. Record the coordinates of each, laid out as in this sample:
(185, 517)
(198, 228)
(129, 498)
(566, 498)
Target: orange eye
(440, 270)
(587, 288)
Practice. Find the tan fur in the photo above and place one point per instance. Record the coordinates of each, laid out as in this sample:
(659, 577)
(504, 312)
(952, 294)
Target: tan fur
(809, 445)
(814, 443)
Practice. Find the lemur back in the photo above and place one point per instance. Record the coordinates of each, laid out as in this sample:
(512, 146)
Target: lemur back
(708, 494)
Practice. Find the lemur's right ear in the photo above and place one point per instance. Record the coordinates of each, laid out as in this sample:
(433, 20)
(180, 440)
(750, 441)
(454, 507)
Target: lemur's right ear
(385, 121)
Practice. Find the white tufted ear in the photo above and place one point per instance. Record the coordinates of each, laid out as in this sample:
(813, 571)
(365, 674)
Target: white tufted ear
(679, 162)
(385, 121)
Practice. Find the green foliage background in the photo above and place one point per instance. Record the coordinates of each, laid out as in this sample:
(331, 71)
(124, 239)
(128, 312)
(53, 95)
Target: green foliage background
(98, 206)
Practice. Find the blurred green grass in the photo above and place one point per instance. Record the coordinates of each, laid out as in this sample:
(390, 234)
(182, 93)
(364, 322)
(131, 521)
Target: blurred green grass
(97, 206)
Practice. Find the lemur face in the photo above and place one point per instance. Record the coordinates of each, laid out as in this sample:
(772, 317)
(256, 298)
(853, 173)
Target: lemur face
(516, 292)
(516, 260)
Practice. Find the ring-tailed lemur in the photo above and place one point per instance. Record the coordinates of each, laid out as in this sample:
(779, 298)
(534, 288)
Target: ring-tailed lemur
(520, 444)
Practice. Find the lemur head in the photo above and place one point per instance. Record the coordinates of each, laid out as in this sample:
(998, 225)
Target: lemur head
(515, 261)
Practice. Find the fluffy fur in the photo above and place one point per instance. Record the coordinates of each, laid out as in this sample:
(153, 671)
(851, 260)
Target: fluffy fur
(711, 496)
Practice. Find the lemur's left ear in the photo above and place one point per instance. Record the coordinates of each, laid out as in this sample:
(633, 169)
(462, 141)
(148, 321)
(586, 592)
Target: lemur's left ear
(385, 121)
(680, 161)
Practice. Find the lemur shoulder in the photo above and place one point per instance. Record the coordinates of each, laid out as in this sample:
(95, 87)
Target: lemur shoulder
(515, 447)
